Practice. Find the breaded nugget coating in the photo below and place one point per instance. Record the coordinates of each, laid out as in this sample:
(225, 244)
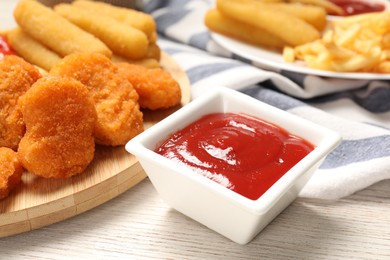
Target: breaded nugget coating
(157, 89)
(60, 117)
(11, 171)
(16, 77)
(116, 101)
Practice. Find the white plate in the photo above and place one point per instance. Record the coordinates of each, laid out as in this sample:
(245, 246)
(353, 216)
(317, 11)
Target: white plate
(271, 60)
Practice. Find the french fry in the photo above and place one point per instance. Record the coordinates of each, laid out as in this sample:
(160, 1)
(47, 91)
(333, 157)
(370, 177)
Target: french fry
(134, 18)
(288, 54)
(121, 39)
(355, 63)
(357, 43)
(57, 33)
(32, 50)
(291, 29)
(222, 24)
(383, 67)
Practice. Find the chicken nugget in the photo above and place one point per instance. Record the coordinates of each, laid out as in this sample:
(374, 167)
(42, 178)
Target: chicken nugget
(11, 171)
(16, 77)
(118, 114)
(60, 117)
(157, 89)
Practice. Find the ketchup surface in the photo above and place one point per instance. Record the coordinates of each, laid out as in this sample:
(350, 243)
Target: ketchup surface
(352, 7)
(5, 47)
(240, 152)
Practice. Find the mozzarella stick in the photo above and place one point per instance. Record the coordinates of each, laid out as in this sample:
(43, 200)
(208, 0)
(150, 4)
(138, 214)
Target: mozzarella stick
(154, 52)
(219, 23)
(147, 62)
(329, 7)
(291, 29)
(54, 31)
(314, 15)
(32, 50)
(134, 18)
(120, 38)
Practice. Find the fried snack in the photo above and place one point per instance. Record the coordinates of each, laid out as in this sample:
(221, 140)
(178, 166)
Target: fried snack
(156, 87)
(54, 31)
(16, 77)
(291, 29)
(153, 52)
(329, 7)
(219, 23)
(120, 38)
(118, 115)
(271, 1)
(32, 50)
(313, 15)
(352, 44)
(60, 117)
(134, 18)
(147, 62)
(11, 171)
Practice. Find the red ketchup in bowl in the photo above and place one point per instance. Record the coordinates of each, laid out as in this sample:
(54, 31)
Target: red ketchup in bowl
(352, 7)
(241, 152)
(5, 47)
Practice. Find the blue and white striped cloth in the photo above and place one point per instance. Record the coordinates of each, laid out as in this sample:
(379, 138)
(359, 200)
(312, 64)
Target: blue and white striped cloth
(358, 110)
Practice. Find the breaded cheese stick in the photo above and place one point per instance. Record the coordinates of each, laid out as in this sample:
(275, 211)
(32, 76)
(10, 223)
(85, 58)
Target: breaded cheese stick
(120, 38)
(54, 31)
(147, 62)
(154, 52)
(32, 50)
(314, 15)
(287, 27)
(330, 7)
(134, 18)
(219, 23)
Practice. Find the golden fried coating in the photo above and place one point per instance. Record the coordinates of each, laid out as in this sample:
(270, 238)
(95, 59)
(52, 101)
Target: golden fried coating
(11, 171)
(16, 77)
(116, 101)
(148, 62)
(120, 38)
(127, 16)
(32, 50)
(54, 31)
(157, 89)
(60, 117)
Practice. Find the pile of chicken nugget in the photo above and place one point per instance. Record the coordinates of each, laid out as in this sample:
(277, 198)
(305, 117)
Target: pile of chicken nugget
(75, 82)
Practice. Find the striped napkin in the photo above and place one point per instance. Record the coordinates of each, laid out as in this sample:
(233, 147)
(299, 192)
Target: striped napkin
(357, 109)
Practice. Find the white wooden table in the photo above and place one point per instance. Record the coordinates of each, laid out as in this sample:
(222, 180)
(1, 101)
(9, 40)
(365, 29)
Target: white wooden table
(138, 225)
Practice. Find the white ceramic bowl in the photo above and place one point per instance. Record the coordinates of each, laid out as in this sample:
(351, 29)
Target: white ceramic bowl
(221, 209)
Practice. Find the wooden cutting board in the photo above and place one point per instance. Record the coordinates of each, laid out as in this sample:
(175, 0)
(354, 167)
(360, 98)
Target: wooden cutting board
(39, 202)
